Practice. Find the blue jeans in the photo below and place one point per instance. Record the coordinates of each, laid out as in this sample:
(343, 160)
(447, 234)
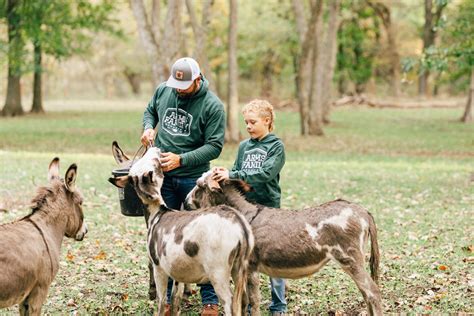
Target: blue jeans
(278, 303)
(174, 192)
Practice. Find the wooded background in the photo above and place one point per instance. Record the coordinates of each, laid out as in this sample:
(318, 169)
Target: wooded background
(305, 54)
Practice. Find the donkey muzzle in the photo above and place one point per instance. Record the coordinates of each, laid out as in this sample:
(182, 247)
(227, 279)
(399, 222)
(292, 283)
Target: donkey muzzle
(82, 232)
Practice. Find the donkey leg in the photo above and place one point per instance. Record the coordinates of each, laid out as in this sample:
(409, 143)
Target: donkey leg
(220, 281)
(239, 292)
(177, 296)
(161, 281)
(151, 284)
(31, 306)
(253, 288)
(367, 287)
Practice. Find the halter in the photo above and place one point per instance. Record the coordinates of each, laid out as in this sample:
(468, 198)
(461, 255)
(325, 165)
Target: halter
(45, 242)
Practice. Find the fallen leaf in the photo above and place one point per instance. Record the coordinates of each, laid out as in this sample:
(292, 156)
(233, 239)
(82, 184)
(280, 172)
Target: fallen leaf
(71, 303)
(100, 256)
(442, 267)
(69, 256)
(469, 248)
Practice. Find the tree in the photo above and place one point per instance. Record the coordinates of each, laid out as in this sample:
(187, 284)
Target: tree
(200, 31)
(456, 52)
(61, 29)
(15, 52)
(384, 13)
(432, 19)
(315, 63)
(232, 133)
(359, 38)
(161, 43)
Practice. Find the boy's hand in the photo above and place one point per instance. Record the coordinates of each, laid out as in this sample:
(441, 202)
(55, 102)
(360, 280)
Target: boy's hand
(169, 161)
(220, 173)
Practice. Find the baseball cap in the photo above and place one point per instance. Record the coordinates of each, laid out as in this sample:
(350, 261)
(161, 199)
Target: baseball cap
(183, 72)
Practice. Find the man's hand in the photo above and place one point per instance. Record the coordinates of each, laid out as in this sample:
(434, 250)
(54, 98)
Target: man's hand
(220, 173)
(148, 137)
(169, 161)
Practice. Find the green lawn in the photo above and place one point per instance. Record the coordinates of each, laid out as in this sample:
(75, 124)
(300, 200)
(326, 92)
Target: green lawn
(413, 169)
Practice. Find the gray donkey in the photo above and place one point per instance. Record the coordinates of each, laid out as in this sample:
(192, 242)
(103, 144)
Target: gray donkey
(297, 243)
(30, 247)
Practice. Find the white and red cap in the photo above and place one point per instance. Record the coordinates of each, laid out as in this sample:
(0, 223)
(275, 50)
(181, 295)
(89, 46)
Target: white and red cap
(183, 72)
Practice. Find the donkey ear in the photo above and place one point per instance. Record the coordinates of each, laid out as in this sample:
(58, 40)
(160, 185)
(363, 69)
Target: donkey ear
(119, 156)
(213, 185)
(240, 185)
(70, 178)
(150, 175)
(119, 182)
(53, 169)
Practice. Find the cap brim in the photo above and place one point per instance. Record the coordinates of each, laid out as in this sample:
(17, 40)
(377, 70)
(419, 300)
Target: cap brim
(173, 83)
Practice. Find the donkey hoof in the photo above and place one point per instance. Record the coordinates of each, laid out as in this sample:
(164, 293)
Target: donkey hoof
(152, 295)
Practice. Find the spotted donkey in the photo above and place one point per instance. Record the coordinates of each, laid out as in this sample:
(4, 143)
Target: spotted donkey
(207, 245)
(306, 240)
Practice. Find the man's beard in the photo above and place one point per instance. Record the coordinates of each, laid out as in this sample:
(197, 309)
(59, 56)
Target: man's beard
(188, 94)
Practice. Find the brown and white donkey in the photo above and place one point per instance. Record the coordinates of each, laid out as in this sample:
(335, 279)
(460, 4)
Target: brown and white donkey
(297, 243)
(207, 245)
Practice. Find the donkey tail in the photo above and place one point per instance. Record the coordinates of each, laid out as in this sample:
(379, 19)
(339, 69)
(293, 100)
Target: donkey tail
(242, 261)
(374, 252)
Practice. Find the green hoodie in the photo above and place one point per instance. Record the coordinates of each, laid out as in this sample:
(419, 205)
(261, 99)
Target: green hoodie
(259, 164)
(192, 127)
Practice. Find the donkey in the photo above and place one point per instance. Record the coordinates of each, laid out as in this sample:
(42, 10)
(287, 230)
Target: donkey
(189, 246)
(30, 247)
(124, 162)
(307, 239)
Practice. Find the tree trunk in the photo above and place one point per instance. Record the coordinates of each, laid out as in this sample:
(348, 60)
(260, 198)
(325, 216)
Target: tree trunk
(383, 11)
(200, 32)
(330, 58)
(172, 35)
(148, 39)
(315, 126)
(429, 35)
(133, 79)
(267, 75)
(467, 116)
(13, 99)
(232, 133)
(37, 106)
(307, 36)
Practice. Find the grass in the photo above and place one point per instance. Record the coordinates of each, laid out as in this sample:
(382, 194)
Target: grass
(413, 169)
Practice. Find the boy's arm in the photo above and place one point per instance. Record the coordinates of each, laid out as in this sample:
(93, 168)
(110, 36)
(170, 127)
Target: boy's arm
(269, 170)
(238, 159)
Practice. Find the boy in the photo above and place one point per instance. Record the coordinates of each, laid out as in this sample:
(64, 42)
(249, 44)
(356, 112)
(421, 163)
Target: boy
(259, 162)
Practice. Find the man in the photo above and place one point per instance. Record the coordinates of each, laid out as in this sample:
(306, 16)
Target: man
(191, 129)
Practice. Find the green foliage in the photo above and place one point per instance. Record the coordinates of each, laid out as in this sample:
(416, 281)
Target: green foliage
(62, 28)
(269, 21)
(357, 44)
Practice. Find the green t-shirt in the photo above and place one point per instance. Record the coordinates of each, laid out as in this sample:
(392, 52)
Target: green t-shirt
(259, 164)
(191, 127)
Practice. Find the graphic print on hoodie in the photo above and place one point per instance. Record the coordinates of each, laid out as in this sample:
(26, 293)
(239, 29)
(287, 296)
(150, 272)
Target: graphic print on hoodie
(177, 122)
(259, 163)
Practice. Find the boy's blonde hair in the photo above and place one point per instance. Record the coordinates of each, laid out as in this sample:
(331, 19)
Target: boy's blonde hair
(263, 109)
